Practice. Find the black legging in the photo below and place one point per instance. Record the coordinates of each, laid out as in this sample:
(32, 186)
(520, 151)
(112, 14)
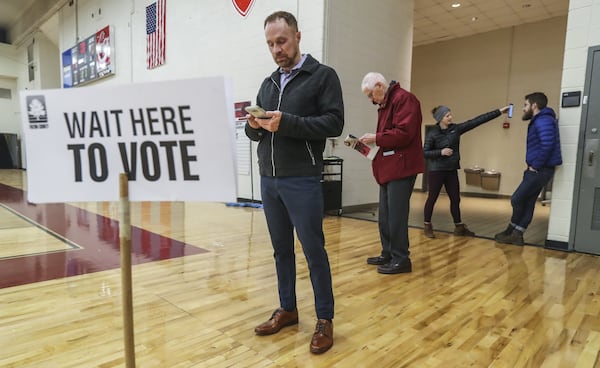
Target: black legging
(449, 179)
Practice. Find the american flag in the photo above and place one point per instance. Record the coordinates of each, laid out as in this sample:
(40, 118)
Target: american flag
(156, 14)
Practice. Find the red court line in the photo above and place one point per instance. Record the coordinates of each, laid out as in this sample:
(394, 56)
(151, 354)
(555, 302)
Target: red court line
(98, 235)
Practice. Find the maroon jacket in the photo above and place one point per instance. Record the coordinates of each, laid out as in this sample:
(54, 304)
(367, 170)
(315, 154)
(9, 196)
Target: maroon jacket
(398, 136)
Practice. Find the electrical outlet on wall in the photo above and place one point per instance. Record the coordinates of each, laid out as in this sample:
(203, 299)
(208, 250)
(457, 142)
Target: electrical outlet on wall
(96, 14)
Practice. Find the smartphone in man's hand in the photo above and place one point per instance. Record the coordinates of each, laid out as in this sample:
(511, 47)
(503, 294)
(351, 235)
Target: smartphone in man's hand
(257, 112)
(510, 110)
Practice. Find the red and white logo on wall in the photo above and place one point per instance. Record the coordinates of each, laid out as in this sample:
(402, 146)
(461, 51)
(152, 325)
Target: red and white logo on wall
(243, 6)
(103, 48)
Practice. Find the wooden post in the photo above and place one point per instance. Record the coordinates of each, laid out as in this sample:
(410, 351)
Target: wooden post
(125, 240)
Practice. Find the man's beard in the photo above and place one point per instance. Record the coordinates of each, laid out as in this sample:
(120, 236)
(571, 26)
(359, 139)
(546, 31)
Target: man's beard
(287, 62)
(527, 115)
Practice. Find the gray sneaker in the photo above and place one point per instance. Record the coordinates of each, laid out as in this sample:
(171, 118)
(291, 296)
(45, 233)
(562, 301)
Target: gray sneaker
(508, 230)
(515, 237)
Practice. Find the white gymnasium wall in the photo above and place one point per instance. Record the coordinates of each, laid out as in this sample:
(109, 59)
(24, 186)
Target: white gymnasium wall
(46, 71)
(9, 60)
(8, 107)
(15, 68)
(360, 37)
(47, 62)
(204, 38)
(9, 64)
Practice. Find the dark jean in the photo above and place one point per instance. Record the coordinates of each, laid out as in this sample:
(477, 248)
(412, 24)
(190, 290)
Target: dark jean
(394, 207)
(525, 196)
(297, 202)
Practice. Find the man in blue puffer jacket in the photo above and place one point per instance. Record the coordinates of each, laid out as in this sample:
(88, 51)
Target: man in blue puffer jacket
(542, 156)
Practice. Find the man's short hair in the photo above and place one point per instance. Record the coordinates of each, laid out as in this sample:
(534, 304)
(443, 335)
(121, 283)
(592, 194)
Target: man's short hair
(287, 17)
(538, 98)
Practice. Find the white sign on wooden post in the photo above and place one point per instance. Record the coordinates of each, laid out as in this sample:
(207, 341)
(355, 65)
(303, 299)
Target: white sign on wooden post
(175, 139)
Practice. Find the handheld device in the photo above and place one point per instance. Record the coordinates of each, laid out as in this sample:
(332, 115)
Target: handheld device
(510, 110)
(257, 112)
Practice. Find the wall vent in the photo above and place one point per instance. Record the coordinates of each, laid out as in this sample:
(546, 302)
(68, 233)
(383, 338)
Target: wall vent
(5, 93)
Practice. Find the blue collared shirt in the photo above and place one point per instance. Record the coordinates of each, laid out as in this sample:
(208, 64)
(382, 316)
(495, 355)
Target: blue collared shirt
(285, 77)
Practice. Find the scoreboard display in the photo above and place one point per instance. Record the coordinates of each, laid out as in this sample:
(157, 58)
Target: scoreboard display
(89, 60)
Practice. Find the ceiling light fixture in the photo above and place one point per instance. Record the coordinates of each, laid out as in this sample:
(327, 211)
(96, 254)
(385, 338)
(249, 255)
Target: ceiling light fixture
(474, 19)
(455, 5)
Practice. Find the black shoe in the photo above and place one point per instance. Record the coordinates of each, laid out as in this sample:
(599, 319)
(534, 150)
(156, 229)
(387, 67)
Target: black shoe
(379, 260)
(403, 266)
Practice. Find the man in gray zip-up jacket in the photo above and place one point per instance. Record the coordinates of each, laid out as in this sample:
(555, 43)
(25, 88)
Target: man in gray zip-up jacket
(303, 99)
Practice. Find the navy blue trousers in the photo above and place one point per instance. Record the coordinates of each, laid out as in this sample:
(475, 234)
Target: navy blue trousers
(525, 196)
(297, 203)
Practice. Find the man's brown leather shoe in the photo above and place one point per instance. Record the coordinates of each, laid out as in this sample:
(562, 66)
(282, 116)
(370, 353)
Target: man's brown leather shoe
(279, 319)
(322, 339)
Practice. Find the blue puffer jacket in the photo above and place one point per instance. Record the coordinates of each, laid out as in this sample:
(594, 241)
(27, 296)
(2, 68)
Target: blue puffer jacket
(543, 140)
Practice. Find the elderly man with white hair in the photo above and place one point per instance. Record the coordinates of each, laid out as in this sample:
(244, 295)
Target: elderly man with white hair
(395, 167)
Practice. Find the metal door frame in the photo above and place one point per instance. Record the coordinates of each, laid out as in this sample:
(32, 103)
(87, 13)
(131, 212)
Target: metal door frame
(581, 145)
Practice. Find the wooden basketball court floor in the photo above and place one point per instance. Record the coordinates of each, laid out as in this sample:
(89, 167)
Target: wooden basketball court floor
(203, 278)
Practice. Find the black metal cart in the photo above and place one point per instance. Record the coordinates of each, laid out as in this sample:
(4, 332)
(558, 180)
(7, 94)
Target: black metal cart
(331, 180)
